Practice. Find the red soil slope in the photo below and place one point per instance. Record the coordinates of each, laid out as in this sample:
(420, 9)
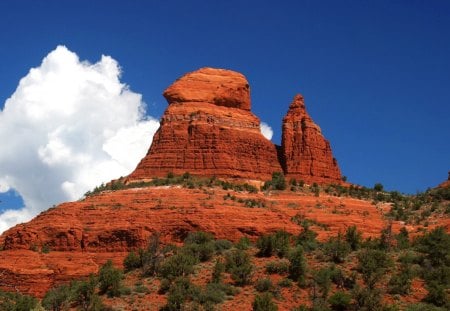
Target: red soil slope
(83, 235)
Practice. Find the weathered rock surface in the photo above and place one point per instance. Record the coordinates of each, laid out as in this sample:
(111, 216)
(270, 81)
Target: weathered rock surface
(210, 85)
(83, 235)
(306, 153)
(208, 130)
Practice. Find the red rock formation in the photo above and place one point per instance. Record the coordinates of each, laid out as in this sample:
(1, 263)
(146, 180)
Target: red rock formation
(83, 235)
(208, 129)
(306, 153)
(445, 184)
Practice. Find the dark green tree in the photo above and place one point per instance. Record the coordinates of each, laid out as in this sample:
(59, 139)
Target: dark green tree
(110, 279)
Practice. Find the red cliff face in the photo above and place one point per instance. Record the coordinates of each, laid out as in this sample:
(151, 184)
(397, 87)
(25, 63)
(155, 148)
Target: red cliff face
(306, 153)
(208, 129)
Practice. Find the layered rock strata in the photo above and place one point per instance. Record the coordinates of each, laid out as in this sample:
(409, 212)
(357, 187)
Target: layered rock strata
(306, 154)
(208, 129)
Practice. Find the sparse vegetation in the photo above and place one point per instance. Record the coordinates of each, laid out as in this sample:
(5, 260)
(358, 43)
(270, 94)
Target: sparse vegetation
(200, 273)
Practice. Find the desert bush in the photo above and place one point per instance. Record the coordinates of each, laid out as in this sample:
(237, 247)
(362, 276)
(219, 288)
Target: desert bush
(277, 267)
(222, 245)
(243, 243)
(84, 295)
(264, 285)
(435, 246)
(151, 257)
(372, 264)
(402, 239)
(181, 291)
(278, 182)
(217, 272)
(110, 279)
(367, 299)
(180, 264)
(132, 261)
(340, 301)
(353, 237)
(337, 249)
(274, 244)
(17, 302)
(297, 264)
(264, 302)
(57, 299)
(322, 279)
(307, 238)
(238, 264)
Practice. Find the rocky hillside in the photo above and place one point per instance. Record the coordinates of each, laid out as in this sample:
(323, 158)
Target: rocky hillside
(210, 169)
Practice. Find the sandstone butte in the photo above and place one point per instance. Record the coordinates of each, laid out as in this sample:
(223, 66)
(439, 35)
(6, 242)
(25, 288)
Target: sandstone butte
(207, 129)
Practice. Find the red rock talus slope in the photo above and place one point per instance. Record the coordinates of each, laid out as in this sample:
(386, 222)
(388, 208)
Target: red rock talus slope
(83, 235)
(306, 153)
(208, 129)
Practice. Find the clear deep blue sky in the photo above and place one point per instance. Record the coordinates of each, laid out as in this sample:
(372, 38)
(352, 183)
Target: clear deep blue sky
(375, 74)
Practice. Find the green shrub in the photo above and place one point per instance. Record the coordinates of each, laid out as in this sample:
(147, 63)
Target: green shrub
(367, 299)
(17, 302)
(202, 252)
(164, 286)
(132, 262)
(322, 278)
(264, 302)
(238, 264)
(180, 264)
(243, 243)
(264, 285)
(199, 245)
(285, 283)
(198, 237)
(214, 293)
(181, 291)
(353, 237)
(340, 301)
(278, 182)
(378, 187)
(109, 279)
(277, 243)
(265, 245)
(83, 293)
(297, 265)
(435, 246)
(307, 238)
(217, 272)
(151, 257)
(402, 239)
(277, 267)
(222, 245)
(372, 264)
(337, 249)
(57, 299)
(400, 283)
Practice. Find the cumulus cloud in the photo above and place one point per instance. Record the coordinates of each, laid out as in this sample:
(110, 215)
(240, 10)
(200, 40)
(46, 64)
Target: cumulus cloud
(266, 130)
(69, 126)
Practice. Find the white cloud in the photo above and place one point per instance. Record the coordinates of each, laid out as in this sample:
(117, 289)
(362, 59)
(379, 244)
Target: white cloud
(69, 126)
(266, 130)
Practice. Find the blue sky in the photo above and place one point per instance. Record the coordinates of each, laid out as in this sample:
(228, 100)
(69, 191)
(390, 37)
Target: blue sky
(375, 74)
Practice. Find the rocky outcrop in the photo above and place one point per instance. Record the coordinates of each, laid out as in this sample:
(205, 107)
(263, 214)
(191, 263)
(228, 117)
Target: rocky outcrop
(208, 130)
(73, 239)
(306, 154)
(446, 184)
